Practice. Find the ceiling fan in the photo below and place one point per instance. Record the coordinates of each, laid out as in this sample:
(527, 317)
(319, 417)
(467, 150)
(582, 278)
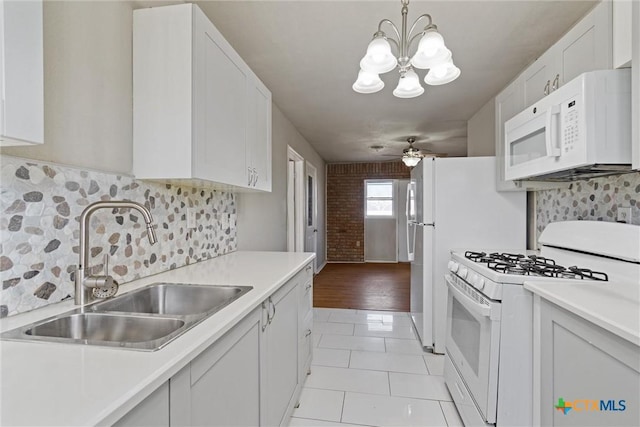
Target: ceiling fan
(411, 155)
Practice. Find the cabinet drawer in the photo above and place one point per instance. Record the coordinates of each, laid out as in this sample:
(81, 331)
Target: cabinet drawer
(464, 403)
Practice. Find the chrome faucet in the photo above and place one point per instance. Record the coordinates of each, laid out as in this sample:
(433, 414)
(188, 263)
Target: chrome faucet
(84, 282)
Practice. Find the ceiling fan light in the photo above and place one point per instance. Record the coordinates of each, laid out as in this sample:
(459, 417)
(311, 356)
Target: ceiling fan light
(442, 75)
(410, 161)
(379, 58)
(368, 82)
(408, 85)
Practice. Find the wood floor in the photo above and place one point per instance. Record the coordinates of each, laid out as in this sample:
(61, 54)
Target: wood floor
(367, 286)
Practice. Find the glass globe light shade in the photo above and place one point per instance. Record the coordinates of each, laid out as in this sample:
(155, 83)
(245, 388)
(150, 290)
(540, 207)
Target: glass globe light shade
(423, 61)
(368, 82)
(431, 41)
(378, 58)
(410, 161)
(408, 85)
(442, 74)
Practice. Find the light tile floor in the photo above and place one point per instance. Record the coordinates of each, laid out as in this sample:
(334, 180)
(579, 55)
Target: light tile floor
(369, 369)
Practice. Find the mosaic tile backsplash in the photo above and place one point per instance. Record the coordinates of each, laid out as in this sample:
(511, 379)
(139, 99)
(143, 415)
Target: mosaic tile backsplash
(596, 199)
(41, 204)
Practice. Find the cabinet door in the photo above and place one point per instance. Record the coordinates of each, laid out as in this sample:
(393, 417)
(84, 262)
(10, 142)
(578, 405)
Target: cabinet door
(153, 411)
(259, 136)
(538, 78)
(509, 102)
(580, 361)
(220, 103)
(225, 381)
(21, 73)
(281, 370)
(588, 45)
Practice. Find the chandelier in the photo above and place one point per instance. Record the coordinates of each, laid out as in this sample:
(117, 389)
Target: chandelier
(431, 54)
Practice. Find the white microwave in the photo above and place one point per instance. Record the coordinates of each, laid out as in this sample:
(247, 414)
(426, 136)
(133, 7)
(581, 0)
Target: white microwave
(582, 129)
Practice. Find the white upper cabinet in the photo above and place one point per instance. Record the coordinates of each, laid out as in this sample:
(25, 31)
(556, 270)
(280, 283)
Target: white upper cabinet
(587, 46)
(195, 115)
(21, 73)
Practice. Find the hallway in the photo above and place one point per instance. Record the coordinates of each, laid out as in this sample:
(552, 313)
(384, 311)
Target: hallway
(363, 286)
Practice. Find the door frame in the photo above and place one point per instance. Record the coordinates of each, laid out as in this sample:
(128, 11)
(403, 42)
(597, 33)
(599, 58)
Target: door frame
(295, 201)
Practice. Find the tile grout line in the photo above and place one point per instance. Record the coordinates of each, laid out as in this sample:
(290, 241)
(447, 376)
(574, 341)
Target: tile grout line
(426, 364)
(344, 397)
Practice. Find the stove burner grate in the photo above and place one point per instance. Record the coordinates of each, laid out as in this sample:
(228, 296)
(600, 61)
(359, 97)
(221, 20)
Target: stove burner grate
(532, 265)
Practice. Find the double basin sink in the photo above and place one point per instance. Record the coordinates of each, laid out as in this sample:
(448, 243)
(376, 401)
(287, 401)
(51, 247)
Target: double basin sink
(144, 319)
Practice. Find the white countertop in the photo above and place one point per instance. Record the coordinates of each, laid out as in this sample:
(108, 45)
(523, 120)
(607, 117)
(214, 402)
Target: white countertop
(66, 384)
(610, 305)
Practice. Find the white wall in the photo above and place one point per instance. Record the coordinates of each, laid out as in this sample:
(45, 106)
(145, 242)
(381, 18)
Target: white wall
(262, 218)
(481, 132)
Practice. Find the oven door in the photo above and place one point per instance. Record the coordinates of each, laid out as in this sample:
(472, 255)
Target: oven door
(473, 343)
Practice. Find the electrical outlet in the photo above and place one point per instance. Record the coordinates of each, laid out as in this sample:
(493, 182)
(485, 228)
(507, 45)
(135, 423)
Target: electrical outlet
(191, 218)
(624, 214)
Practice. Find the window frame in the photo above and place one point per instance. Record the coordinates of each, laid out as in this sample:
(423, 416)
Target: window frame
(392, 198)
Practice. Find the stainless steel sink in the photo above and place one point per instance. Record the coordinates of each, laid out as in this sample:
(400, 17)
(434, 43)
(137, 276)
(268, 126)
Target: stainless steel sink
(107, 327)
(145, 319)
(174, 299)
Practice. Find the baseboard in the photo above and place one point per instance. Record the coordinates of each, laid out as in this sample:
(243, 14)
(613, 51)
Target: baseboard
(321, 267)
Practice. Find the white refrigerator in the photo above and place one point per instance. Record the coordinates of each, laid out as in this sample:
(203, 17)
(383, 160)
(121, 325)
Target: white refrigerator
(453, 203)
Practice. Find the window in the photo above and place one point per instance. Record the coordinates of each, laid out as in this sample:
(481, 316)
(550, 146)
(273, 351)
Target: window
(379, 198)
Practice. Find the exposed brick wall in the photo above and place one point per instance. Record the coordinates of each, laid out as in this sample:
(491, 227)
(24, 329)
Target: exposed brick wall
(345, 205)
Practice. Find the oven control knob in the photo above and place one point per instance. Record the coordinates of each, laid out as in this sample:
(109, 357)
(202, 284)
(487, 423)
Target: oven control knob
(453, 266)
(462, 272)
(473, 279)
(481, 283)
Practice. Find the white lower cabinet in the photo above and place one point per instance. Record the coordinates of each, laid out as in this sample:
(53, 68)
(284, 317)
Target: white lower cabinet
(280, 338)
(221, 387)
(252, 376)
(153, 411)
(582, 367)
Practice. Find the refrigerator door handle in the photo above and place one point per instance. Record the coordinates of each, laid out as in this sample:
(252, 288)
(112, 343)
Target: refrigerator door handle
(406, 210)
(411, 242)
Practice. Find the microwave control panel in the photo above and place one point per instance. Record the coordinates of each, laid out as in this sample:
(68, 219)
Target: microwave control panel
(569, 114)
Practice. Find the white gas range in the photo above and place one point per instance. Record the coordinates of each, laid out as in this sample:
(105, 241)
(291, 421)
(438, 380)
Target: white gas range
(489, 345)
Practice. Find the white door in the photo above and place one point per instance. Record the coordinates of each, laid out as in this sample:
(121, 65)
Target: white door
(311, 231)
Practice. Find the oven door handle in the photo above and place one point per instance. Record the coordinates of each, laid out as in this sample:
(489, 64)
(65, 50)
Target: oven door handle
(469, 303)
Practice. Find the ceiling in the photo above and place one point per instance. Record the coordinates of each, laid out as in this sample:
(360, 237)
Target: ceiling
(307, 53)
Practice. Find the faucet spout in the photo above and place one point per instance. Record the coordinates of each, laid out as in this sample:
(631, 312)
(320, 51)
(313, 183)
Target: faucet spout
(81, 279)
